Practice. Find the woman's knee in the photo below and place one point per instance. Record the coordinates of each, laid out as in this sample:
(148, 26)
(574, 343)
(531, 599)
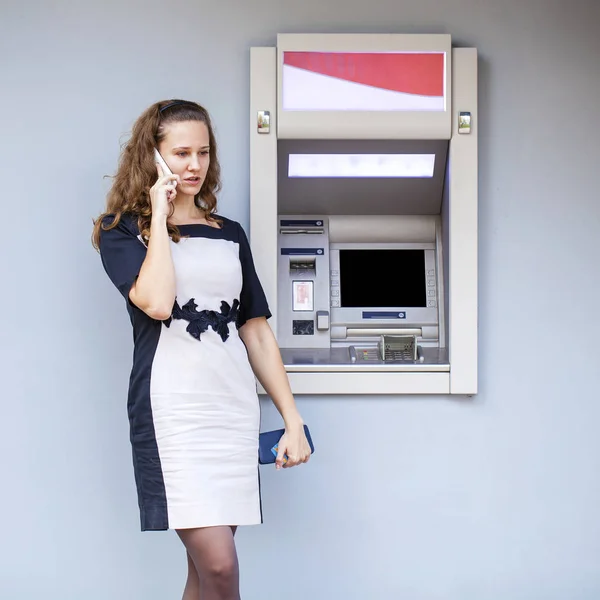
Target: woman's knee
(213, 554)
(222, 568)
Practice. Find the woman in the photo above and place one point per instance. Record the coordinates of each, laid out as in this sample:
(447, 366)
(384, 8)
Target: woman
(199, 317)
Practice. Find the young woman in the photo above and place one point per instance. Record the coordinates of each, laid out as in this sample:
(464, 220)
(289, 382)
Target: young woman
(199, 317)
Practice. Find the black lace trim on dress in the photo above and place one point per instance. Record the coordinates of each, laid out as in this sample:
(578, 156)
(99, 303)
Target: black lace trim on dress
(200, 321)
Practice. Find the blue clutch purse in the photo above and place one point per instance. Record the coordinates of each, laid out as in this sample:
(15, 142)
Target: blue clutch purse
(267, 443)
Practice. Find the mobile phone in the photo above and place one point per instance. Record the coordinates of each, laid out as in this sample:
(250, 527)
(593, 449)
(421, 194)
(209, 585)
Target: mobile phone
(165, 169)
(163, 165)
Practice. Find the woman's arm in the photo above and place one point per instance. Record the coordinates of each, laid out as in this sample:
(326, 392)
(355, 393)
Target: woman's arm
(265, 360)
(154, 289)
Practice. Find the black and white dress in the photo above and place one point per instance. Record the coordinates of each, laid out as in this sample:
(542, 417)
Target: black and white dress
(193, 405)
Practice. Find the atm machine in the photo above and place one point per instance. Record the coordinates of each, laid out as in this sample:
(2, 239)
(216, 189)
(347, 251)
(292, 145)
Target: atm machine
(363, 210)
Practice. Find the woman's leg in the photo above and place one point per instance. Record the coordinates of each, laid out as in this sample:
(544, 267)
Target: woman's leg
(192, 585)
(212, 553)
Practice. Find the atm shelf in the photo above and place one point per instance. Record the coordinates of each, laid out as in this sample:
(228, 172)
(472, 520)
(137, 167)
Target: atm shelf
(340, 360)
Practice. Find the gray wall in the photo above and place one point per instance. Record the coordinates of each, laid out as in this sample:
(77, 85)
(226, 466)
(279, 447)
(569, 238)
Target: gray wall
(412, 498)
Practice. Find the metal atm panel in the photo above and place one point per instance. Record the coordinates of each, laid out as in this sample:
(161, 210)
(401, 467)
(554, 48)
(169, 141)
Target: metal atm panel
(341, 357)
(303, 282)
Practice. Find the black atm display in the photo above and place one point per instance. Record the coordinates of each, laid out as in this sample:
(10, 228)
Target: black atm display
(382, 278)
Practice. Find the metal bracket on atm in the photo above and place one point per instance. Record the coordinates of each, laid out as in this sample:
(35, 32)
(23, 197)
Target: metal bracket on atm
(263, 121)
(322, 320)
(464, 122)
(389, 349)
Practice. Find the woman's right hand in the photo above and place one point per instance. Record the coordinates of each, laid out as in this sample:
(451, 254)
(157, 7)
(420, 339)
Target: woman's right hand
(163, 192)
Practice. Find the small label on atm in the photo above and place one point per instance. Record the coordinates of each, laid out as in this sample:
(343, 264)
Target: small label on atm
(384, 315)
(300, 223)
(292, 251)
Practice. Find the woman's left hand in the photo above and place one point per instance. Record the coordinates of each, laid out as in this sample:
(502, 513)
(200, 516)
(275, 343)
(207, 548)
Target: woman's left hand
(294, 444)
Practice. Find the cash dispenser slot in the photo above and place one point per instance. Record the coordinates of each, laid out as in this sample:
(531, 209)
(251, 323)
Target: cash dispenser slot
(299, 231)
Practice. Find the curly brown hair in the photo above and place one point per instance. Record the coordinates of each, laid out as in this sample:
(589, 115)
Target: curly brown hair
(136, 173)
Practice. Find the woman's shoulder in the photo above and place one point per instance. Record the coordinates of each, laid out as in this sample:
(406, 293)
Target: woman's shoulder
(126, 222)
(229, 226)
(226, 221)
(116, 229)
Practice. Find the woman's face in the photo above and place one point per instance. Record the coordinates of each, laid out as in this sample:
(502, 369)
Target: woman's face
(185, 149)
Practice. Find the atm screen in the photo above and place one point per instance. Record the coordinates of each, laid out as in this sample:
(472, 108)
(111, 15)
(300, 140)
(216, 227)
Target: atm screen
(382, 278)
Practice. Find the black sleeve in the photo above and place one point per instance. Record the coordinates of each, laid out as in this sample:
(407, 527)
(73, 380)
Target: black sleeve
(122, 254)
(253, 302)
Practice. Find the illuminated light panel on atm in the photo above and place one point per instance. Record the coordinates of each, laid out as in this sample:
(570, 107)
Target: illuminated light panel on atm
(361, 165)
